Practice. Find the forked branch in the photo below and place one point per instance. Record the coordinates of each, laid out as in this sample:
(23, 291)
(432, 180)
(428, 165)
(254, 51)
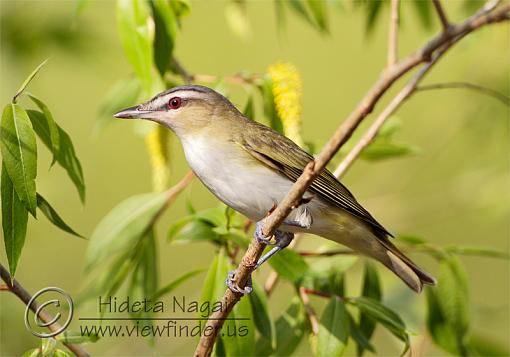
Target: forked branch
(431, 51)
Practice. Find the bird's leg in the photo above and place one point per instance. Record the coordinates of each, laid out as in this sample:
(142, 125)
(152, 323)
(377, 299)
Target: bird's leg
(234, 287)
(283, 239)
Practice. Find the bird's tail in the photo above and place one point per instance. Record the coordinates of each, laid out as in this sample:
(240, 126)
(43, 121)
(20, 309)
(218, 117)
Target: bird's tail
(403, 267)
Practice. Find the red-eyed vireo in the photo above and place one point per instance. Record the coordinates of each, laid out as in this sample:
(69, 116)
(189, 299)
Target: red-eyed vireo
(251, 167)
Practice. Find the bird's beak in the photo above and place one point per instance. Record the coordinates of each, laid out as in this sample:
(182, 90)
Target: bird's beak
(132, 113)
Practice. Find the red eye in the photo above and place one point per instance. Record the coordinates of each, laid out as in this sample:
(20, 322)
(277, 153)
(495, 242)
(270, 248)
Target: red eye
(175, 103)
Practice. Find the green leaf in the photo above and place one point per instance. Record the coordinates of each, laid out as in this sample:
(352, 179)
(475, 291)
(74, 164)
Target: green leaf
(19, 152)
(453, 297)
(437, 326)
(291, 326)
(319, 13)
(384, 149)
(261, 314)
(333, 329)
(60, 353)
(186, 231)
(123, 226)
(52, 127)
(34, 352)
(359, 337)
(299, 8)
(53, 216)
(424, 11)
(371, 289)
(289, 265)
(414, 240)
(166, 27)
(133, 28)
(326, 274)
(27, 81)
(269, 106)
(14, 221)
(174, 284)
(76, 338)
(122, 94)
(67, 158)
(48, 346)
(373, 10)
(478, 251)
(249, 110)
(380, 313)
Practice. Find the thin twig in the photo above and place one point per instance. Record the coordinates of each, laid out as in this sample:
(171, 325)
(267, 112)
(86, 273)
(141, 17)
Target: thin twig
(312, 316)
(442, 15)
(313, 169)
(393, 33)
(18, 290)
(484, 90)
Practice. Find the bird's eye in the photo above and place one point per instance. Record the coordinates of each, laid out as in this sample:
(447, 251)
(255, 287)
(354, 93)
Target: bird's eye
(174, 103)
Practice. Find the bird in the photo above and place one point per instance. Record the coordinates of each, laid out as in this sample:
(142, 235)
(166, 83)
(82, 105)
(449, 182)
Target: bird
(251, 167)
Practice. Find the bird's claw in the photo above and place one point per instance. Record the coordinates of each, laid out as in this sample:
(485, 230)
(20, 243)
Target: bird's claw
(259, 234)
(232, 285)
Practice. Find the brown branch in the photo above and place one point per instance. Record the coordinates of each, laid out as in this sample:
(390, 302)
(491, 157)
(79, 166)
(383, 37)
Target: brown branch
(481, 89)
(313, 169)
(442, 15)
(15, 287)
(393, 33)
(312, 316)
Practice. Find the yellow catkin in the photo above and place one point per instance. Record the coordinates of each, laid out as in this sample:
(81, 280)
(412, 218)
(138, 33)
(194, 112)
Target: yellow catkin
(157, 146)
(287, 89)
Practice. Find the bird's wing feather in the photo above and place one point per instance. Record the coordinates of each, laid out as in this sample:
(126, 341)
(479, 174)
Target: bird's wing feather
(284, 155)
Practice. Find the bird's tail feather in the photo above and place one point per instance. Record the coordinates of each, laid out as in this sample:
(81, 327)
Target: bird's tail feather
(404, 267)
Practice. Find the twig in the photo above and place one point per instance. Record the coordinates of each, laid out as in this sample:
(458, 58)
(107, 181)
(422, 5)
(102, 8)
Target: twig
(313, 169)
(442, 15)
(397, 101)
(235, 79)
(393, 33)
(15, 287)
(484, 90)
(312, 316)
(185, 75)
(171, 195)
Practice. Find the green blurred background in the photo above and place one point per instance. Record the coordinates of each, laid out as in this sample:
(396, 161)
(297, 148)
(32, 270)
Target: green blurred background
(454, 191)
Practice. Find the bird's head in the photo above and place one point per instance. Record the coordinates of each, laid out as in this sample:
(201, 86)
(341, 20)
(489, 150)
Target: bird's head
(183, 109)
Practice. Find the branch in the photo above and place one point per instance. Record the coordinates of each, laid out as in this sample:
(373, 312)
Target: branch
(393, 33)
(342, 134)
(481, 89)
(442, 15)
(15, 287)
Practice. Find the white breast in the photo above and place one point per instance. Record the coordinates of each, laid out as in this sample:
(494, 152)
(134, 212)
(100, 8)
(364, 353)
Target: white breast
(251, 190)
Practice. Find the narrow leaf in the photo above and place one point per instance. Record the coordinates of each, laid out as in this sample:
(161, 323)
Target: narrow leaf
(371, 289)
(122, 94)
(19, 152)
(319, 13)
(53, 216)
(67, 156)
(289, 265)
(34, 352)
(375, 310)
(166, 27)
(133, 27)
(14, 221)
(75, 337)
(359, 337)
(122, 226)
(52, 127)
(174, 284)
(28, 80)
(333, 329)
(261, 314)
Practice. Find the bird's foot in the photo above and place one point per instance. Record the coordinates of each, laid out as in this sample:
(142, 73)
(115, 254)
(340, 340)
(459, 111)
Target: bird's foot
(232, 285)
(259, 234)
(283, 239)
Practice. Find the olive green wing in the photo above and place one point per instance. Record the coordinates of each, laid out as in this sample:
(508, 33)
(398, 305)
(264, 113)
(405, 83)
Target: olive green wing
(284, 155)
